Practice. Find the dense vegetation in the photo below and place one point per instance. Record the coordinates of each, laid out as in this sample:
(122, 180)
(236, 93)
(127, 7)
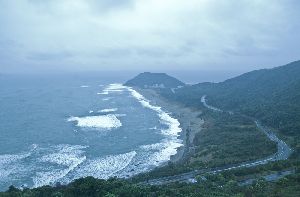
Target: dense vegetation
(214, 185)
(148, 79)
(270, 95)
(229, 139)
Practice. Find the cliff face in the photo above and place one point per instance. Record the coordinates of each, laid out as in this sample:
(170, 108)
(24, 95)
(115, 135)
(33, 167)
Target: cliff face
(154, 80)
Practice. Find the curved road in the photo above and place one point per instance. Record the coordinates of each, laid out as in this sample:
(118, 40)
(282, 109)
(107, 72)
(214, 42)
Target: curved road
(283, 152)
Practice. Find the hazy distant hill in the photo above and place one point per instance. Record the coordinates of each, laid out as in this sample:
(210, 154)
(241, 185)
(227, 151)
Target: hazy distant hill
(154, 80)
(271, 95)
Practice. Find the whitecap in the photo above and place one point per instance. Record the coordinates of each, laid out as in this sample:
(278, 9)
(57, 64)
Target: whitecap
(65, 155)
(120, 115)
(104, 92)
(108, 110)
(144, 101)
(68, 157)
(34, 147)
(156, 146)
(164, 150)
(53, 176)
(107, 99)
(105, 167)
(115, 87)
(84, 86)
(9, 163)
(108, 121)
(9, 158)
(172, 123)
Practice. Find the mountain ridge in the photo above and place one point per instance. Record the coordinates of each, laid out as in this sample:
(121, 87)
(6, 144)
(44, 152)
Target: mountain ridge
(270, 95)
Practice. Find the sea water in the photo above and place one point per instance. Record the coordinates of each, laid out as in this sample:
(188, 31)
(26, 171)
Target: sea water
(60, 128)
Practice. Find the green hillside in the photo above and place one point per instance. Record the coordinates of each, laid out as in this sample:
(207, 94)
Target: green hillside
(270, 95)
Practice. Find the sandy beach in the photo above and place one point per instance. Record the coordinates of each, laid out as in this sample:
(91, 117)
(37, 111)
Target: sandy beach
(188, 118)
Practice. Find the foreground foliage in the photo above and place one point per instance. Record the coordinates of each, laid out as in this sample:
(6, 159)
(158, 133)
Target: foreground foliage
(215, 185)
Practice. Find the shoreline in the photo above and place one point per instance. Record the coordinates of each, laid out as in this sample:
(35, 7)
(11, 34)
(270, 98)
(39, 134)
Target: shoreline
(189, 120)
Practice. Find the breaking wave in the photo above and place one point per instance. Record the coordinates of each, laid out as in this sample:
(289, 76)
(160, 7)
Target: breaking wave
(67, 157)
(108, 110)
(113, 88)
(105, 167)
(9, 164)
(168, 147)
(108, 121)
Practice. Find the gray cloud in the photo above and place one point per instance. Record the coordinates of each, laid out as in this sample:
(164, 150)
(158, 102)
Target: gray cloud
(147, 34)
(49, 56)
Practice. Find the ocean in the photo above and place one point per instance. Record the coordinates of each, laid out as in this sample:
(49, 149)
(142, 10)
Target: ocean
(58, 128)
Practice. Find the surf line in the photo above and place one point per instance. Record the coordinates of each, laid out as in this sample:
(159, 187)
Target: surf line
(173, 124)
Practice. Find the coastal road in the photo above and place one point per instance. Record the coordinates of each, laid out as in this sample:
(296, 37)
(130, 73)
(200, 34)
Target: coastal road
(283, 152)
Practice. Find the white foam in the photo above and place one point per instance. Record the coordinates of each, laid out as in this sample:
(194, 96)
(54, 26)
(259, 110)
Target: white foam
(135, 94)
(7, 158)
(172, 123)
(91, 111)
(108, 121)
(156, 146)
(104, 92)
(34, 147)
(115, 86)
(67, 156)
(144, 101)
(105, 167)
(9, 164)
(168, 147)
(51, 177)
(84, 86)
(107, 99)
(115, 90)
(162, 152)
(108, 110)
(120, 115)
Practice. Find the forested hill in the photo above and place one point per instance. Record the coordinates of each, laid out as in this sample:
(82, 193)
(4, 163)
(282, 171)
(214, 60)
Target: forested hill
(270, 95)
(154, 80)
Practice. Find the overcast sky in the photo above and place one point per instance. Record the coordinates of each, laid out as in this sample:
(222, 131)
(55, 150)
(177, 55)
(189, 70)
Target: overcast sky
(150, 35)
